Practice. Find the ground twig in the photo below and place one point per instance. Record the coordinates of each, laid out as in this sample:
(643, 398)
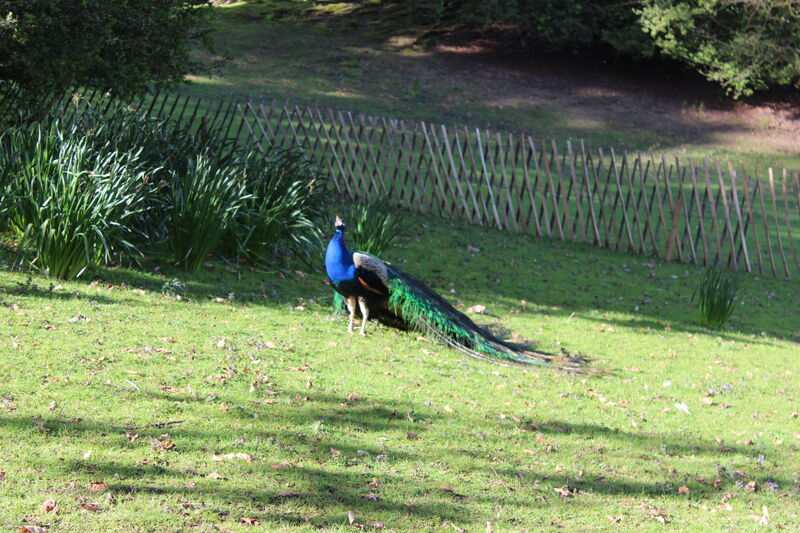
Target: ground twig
(154, 425)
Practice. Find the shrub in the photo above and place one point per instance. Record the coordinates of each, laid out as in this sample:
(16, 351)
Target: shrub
(49, 46)
(165, 147)
(371, 228)
(744, 46)
(279, 219)
(74, 203)
(716, 297)
(203, 203)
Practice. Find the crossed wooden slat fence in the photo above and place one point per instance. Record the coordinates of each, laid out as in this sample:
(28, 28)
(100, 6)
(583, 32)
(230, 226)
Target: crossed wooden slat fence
(699, 212)
(695, 212)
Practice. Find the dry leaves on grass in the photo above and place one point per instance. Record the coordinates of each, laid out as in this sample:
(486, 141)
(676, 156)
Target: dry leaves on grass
(32, 529)
(250, 521)
(50, 507)
(215, 475)
(229, 456)
(284, 465)
(93, 507)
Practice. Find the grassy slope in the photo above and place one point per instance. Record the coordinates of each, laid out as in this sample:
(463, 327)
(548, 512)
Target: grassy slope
(494, 443)
(346, 60)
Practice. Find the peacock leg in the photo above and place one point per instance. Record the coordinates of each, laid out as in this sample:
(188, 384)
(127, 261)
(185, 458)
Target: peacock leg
(362, 304)
(351, 306)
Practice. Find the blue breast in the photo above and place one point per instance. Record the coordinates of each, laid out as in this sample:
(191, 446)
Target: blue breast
(339, 260)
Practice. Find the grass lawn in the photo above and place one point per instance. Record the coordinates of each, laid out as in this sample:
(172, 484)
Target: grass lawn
(674, 425)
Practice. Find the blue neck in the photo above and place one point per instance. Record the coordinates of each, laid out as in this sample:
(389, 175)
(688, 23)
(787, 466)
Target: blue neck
(339, 260)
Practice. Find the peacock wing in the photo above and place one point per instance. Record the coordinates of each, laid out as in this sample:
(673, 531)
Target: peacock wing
(372, 273)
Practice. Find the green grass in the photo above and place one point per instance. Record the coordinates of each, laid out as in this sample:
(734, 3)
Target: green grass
(253, 362)
(364, 56)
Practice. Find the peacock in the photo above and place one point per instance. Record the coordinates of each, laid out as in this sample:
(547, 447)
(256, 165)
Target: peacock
(388, 293)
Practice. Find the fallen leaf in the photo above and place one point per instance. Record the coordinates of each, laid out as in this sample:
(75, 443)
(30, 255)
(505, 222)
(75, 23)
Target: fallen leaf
(244, 456)
(131, 437)
(564, 492)
(49, 507)
(98, 486)
(376, 524)
(751, 486)
(351, 517)
(660, 518)
(683, 489)
(371, 496)
(32, 529)
(250, 521)
(682, 407)
(479, 309)
(412, 436)
(335, 453)
(93, 507)
(166, 445)
(223, 407)
(615, 519)
(2, 476)
(214, 475)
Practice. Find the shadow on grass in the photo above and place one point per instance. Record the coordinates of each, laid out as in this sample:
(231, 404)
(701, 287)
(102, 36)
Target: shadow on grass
(333, 485)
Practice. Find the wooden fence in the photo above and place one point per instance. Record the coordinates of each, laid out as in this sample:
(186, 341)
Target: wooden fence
(695, 212)
(699, 212)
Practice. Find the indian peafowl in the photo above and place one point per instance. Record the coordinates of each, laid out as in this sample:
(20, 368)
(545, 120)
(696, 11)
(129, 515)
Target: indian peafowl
(391, 295)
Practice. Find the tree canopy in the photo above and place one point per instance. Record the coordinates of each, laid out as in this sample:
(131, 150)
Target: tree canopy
(124, 46)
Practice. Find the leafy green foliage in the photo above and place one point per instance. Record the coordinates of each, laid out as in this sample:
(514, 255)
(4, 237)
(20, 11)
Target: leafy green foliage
(73, 202)
(372, 227)
(280, 217)
(204, 201)
(125, 46)
(744, 46)
(716, 296)
(165, 149)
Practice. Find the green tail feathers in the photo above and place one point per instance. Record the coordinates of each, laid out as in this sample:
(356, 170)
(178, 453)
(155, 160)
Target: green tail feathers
(424, 309)
(414, 305)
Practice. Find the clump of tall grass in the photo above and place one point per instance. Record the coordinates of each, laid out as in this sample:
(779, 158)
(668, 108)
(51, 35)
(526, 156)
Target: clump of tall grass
(204, 200)
(716, 297)
(73, 202)
(165, 147)
(279, 219)
(372, 228)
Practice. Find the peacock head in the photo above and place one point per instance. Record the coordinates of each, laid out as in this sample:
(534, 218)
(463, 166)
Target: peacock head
(339, 225)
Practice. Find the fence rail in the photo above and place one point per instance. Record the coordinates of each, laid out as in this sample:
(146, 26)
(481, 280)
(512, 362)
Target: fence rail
(698, 212)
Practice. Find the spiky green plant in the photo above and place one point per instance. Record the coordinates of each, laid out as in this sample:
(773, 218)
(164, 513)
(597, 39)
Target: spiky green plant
(716, 296)
(371, 227)
(279, 220)
(166, 147)
(203, 203)
(74, 202)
